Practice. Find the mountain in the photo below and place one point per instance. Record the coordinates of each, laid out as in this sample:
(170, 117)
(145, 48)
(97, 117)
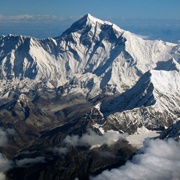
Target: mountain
(103, 57)
(172, 132)
(154, 102)
(74, 97)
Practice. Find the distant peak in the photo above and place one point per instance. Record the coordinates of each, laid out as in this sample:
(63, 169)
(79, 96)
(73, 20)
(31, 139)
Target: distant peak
(89, 15)
(90, 21)
(91, 18)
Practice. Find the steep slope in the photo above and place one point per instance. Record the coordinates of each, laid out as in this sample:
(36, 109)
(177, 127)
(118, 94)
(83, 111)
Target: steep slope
(154, 102)
(172, 132)
(24, 57)
(92, 56)
(116, 56)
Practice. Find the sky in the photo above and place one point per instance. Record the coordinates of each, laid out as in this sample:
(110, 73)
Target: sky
(32, 17)
(101, 8)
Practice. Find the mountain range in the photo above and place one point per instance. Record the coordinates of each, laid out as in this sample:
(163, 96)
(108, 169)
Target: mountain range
(94, 77)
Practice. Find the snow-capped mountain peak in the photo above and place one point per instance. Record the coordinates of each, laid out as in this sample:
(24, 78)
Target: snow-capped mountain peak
(91, 19)
(94, 51)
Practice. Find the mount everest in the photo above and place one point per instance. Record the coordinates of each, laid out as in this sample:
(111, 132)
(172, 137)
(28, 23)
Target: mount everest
(103, 57)
(94, 76)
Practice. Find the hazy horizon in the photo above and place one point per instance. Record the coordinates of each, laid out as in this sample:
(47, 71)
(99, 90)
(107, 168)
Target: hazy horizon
(53, 26)
(41, 19)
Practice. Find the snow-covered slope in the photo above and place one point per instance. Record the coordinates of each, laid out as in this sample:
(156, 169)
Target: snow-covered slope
(153, 102)
(92, 56)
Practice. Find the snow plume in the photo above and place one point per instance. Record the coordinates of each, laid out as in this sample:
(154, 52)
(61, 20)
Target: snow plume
(158, 159)
(5, 164)
(92, 139)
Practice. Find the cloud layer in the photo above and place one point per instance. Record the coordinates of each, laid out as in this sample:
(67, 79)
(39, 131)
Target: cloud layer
(5, 164)
(158, 159)
(4, 136)
(34, 18)
(26, 161)
(92, 139)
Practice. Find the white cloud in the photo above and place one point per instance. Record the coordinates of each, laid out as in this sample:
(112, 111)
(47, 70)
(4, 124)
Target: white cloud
(11, 132)
(4, 136)
(25, 161)
(92, 139)
(15, 18)
(34, 18)
(158, 159)
(61, 150)
(2, 176)
(5, 164)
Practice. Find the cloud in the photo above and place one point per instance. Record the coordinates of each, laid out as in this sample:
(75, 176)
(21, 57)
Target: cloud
(5, 164)
(25, 161)
(3, 137)
(158, 159)
(15, 18)
(10, 132)
(92, 139)
(4, 134)
(61, 150)
(34, 18)
(2, 176)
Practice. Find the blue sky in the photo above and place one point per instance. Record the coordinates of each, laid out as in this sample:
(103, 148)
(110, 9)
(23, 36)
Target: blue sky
(102, 8)
(49, 18)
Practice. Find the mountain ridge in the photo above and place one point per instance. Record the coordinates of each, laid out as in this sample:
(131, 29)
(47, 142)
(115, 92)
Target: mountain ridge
(154, 102)
(112, 57)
